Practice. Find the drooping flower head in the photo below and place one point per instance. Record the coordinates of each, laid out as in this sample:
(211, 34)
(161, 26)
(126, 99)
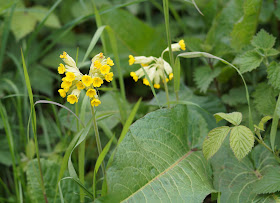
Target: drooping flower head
(74, 81)
(157, 69)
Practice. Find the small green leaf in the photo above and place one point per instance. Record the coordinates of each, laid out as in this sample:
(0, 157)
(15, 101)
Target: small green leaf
(269, 183)
(263, 122)
(30, 149)
(272, 52)
(248, 61)
(214, 140)
(241, 141)
(203, 76)
(273, 74)
(263, 40)
(234, 118)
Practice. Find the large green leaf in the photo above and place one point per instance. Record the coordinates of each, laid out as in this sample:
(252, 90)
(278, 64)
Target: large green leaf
(244, 29)
(50, 171)
(155, 162)
(236, 180)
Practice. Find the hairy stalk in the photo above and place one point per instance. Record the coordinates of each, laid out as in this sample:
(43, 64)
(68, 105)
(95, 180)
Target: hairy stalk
(98, 142)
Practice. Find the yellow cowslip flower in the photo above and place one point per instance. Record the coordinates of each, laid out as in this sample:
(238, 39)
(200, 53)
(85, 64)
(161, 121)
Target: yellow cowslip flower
(87, 80)
(97, 82)
(146, 82)
(91, 92)
(140, 60)
(109, 77)
(105, 69)
(70, 76)
(95, 102)
(110, 61)
(72, 99)
(97, 64)
(61, 68)
(134, 76)
(62, 93)
(182, 44)
(74, 96)
(66, 84)
(157, 70)
(68, 59)
(171, 76)
(131, 60)
(157, 86)
(80, 85)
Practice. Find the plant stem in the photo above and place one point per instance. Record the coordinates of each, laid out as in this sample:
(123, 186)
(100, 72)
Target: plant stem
(260, 140)
(168, 35)
(166, 92)
(98, 142)
(274, 126)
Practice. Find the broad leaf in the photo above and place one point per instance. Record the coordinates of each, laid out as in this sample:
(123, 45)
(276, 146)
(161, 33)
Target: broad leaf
(234, 118)
(50, 171)
(235, 97)
(241, 141)
(263, 40)
(203, 76)
(269, 183)
(248, 61)
(214, 141)
(244, 29)
(273, 75)
(235, 179)
(264, 99)
(155, 161)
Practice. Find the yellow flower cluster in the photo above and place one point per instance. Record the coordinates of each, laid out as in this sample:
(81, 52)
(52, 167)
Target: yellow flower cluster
(157, 69)
(74, 81)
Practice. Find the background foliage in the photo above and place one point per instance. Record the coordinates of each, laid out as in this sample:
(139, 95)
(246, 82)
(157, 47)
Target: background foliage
(160, 157)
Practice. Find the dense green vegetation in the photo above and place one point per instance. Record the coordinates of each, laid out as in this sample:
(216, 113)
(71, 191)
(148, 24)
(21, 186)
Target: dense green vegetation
(139, 101)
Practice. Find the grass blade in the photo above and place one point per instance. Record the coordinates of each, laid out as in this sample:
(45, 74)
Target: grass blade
(33, 118)
(274, 126)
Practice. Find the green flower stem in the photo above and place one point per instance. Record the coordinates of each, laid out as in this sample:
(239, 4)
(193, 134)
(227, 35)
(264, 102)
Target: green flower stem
(98, 142)
(81, 159)
(166, 92)
(168, 35)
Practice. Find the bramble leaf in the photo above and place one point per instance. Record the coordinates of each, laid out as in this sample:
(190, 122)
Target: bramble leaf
(263, 40)
(203, 76)
(248, 61)
(155, 161)
(273, 75)
(241, 141)
(214, 141)
(265, 93)
(234, 118)
(235, 96)
(272, 52)
(263, 122)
